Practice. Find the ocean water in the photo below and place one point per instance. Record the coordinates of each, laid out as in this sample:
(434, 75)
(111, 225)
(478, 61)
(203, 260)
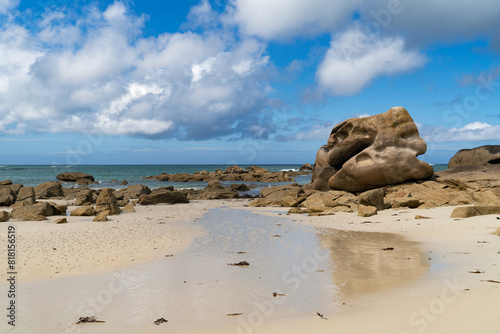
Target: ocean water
(32, 175)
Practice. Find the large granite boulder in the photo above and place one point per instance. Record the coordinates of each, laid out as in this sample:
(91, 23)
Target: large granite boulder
(106, 202)
(74, 176)
(49, 190)
(372, 152)
(163, 196)
(26, 195)
(487, 155)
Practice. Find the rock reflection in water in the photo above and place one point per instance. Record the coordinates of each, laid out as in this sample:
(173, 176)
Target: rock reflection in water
(359, 265)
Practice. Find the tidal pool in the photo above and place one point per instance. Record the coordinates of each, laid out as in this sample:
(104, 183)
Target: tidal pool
(293, 271)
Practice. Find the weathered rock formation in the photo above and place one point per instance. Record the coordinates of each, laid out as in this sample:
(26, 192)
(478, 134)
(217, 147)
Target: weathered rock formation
(371, 152)
(488, 155)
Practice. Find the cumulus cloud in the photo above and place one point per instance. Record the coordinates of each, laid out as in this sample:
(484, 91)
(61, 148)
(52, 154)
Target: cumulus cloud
(98, 74)
(354, 60)
(472, 132)
(275, 19)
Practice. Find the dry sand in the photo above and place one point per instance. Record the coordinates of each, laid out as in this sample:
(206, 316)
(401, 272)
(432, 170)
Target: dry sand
(82, 246)
(445, 299)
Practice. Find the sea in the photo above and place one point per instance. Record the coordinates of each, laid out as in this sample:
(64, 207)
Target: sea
(33, 175)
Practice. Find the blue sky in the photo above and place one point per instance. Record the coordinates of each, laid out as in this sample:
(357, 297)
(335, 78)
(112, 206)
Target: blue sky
(239, 81)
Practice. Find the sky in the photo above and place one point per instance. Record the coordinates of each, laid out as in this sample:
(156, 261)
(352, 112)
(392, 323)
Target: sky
(239, 81)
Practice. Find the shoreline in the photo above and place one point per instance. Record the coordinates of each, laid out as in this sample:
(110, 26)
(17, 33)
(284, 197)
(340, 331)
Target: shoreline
(451, 244)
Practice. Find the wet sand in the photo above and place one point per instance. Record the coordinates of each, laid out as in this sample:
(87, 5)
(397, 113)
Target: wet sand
(344, 274)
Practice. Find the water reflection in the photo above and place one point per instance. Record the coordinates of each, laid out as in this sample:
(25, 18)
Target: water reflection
(359, 265)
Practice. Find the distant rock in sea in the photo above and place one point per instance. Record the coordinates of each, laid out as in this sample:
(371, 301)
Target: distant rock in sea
(371, 152)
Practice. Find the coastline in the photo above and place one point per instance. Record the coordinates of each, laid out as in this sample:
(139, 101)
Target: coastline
(451, 244)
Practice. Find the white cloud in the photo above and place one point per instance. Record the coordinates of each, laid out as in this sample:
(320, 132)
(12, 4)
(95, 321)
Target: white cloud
(421, 20)
(472, 132)
(97, 74)
(354, 60)
(272, 19)
(6, 5)
(315, 132)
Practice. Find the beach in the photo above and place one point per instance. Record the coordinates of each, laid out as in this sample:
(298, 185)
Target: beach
(401, 275)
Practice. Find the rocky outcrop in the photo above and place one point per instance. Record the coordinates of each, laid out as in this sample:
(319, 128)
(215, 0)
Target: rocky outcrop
(74, 176)
(49, 190)
(5, 182)
(158, 196)
(232, 173)
(471, 177)
(488, 155)
(106, 202)
(371, 152)
(287, 196)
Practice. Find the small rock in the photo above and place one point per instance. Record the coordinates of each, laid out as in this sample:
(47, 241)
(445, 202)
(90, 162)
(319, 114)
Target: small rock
(366, 210)
(101, 217)
(4, 216)
(129, 208)
(61, 221)
(422, 217)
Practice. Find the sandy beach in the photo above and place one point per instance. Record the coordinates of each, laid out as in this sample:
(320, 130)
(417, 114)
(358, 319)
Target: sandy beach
(426, 283)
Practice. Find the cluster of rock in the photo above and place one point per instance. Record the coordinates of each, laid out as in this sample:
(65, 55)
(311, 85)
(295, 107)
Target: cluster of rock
(445, 189)
(215, 190)
(232, 173)
(90, 202)
(370, 164)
